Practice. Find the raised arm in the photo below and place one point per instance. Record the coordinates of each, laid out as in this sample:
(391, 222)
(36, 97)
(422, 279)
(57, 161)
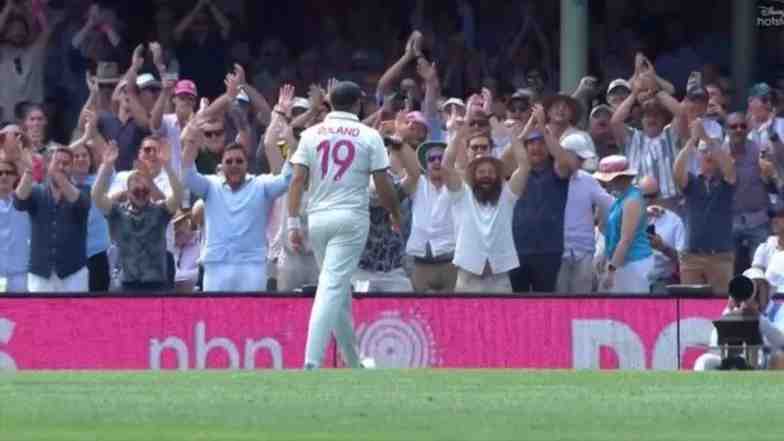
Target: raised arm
(429, 74)
(259, 104)
(173, 201)
(618, 120)
(387, 82)
(156, 119)
(278, 127)
(221, 19)
(726, 164)
(101, 188)
(519, 179)
(681, 167)
(138, 112)
(187, 21)
(23, 158)
(5, 13)
(454, 181)
(565, 162)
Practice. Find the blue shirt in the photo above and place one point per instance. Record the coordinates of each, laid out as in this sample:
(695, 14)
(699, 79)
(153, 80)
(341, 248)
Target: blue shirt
(640, 247)
(235, 222)
(14, 239)
(59, 231)
(97, 226)
(709, 205)
(538, 222)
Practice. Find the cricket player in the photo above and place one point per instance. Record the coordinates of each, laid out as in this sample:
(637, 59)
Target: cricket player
(336, 160)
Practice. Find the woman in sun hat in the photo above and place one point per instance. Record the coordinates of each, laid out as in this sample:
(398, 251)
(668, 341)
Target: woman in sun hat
(629, 254)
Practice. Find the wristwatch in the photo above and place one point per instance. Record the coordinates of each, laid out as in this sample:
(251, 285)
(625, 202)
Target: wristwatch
(611, 268)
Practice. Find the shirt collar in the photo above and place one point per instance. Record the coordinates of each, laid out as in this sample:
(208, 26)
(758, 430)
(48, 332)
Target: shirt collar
(342, 115)
(225, 183)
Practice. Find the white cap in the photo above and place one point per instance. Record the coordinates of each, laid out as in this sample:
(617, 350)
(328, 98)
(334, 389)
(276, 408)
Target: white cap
(620, 82)
(579, 144)
(754, 273)
(243, 96)
(301, 103)
(456, 101)
(147, 80)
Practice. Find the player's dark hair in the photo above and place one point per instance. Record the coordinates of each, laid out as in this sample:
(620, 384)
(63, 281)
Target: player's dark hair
(345, 96)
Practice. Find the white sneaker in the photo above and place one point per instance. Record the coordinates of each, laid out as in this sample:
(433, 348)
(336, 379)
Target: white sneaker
(367, 363)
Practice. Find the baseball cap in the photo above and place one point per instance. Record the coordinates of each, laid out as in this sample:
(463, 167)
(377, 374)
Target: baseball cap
(186, 87)
(456, 101)
(523, 94)
(300, 103)
(534, 134)
(601, 108)
(578, 144)
(619, 82)
(760, 90)
(243, 96)
(147, 81)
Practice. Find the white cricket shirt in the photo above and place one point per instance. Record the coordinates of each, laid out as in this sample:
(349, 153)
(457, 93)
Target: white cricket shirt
(340, 153)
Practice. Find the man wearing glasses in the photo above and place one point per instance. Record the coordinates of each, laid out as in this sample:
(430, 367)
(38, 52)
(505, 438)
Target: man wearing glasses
(236, 206)
(756, 176)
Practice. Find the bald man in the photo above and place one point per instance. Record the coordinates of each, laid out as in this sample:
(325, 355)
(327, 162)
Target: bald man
(666, 234)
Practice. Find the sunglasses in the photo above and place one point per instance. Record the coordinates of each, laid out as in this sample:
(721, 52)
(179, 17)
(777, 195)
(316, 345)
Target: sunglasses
(480, 147)
(237, 161)
(213, 133)
(738, 126)
(435, 158)
(650, 196)
(479, 123)
(7, 173)
(149, 150)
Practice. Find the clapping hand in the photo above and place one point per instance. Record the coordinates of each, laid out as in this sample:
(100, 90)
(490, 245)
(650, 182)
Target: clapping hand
(111, 154)
(285, 99)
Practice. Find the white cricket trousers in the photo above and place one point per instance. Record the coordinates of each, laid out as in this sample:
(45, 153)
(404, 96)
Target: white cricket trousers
(76, 282)
(338, 238)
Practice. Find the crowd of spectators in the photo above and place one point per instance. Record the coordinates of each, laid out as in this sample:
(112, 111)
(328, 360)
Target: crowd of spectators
(161, 163)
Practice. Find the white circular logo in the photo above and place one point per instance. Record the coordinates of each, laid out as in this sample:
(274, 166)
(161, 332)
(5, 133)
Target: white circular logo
(397, 341)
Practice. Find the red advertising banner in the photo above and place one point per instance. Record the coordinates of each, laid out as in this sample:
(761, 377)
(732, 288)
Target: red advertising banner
(263, 332)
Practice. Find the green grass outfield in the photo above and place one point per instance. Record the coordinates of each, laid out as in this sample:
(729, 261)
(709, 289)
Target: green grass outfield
(391, 405)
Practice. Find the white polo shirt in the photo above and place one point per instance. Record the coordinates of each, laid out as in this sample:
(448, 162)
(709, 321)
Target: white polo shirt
(484, 232)
(431, 221)
(770, 259)
(669, 227)
(340, 153)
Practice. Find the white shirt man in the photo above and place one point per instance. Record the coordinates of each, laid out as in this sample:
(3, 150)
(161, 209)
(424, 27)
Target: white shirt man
(483, 206)
(667, 235)
(337, 158)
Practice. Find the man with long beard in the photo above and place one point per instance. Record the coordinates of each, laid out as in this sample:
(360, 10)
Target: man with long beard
(483, 205)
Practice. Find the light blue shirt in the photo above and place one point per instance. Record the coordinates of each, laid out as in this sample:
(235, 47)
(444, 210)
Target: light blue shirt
(97, 227)
(235, 222)
(14, 239)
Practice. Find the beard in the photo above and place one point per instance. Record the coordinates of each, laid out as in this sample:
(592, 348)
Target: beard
(487, 192)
